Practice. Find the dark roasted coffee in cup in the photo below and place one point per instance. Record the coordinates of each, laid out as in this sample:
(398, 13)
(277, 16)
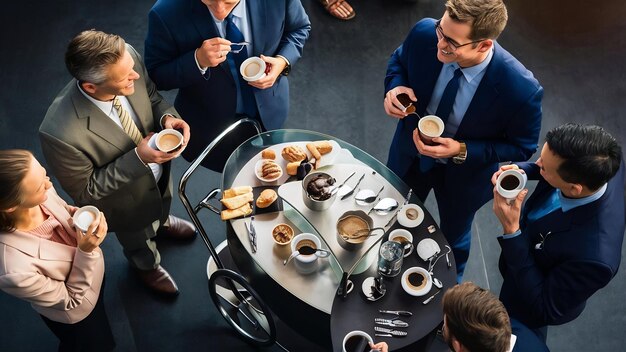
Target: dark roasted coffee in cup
(416, 280)
(509, 182)
(402, 240)
(306, 245)
(357, 343)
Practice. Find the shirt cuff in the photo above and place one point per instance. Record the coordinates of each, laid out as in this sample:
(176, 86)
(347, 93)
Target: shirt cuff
(161, 119)
(284, 58)
(511, 235)
(202, 70)
(137, 153)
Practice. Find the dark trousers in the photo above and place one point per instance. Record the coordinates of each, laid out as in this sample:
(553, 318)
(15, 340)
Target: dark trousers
(455, 215)
(90, 334)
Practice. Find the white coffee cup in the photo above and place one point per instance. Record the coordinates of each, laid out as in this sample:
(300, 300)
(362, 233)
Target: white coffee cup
(358, 335)
(169, 140)
(305, 264)
(510, 182)
(429, 127)
(252, 69)
(405, 238)
(85, 216)
(417, 287)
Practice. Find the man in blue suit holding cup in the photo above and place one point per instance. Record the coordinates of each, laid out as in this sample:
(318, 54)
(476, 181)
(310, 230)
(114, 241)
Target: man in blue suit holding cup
(490, 103)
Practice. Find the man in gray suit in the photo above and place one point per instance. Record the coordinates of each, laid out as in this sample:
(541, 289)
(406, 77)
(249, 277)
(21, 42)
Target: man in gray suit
(95, 139)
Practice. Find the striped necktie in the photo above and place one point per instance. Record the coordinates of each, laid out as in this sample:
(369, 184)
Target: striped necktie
(128, 125)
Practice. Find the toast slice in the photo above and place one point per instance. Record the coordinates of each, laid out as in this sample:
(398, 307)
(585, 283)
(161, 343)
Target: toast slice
(236, 191)
(237, 201)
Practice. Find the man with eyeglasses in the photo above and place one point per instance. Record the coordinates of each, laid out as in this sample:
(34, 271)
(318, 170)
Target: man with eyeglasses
(490, 103)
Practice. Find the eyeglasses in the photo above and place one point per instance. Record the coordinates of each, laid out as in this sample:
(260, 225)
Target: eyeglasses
(451, 42)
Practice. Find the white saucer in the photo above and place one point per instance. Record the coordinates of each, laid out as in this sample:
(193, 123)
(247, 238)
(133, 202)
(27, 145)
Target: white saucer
(405, 221)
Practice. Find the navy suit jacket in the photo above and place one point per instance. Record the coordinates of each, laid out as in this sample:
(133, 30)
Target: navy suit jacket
(527, 340)
(502, 122)
(176, 28)
(580, 254)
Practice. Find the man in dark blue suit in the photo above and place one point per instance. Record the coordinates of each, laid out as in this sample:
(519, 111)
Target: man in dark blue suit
(493, 113)
(567, 242)
(187, 47)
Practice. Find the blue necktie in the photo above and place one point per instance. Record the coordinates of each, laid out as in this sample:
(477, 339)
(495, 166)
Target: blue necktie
(547, 206)
(443, 111)
(244, 92)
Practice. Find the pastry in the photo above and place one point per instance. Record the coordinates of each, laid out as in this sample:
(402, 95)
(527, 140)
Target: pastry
(268, 154)
(293, 153)
(270, 170)
(237, 201)
(235, 191)
(266, 198)
(292, 168)
(323, 147)
(244, 210)
(316, 154)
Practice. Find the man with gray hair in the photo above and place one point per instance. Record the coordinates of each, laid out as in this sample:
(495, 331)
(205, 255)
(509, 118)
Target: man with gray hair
(95, 139)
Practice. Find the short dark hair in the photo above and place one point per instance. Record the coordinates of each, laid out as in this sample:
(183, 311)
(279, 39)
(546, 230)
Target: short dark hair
(89, 54)
(476, 318)
(591, 156)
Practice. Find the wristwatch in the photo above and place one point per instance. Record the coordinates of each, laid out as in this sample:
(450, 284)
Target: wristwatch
(286, 70)
(460, 158)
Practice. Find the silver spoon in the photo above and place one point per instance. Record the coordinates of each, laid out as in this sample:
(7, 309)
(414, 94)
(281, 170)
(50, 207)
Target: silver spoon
(366, 233)
(366, 197)
(385, 206)
(306, 250)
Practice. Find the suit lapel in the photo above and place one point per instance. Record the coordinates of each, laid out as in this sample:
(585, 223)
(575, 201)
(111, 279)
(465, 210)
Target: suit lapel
(98, 123)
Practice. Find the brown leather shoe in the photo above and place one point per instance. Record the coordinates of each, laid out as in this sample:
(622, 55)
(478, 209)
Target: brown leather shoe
(178, 228)
(158, 280)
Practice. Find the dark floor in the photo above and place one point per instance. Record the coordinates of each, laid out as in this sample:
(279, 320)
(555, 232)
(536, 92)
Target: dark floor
(575, 48)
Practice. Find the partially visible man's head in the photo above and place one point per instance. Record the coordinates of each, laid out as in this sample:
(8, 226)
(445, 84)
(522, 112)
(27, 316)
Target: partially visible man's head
(585, 154)
(90, 53)
(102, 65)
(487, 18)
(475, 319)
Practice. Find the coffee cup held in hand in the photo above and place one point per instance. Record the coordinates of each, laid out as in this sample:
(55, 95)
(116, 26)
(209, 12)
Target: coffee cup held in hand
(85, 216)
(510, 183)
(169, 140)
(253, 69)
(430, 127)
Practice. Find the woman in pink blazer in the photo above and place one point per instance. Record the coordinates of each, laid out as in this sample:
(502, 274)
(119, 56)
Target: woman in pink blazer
(48, 263)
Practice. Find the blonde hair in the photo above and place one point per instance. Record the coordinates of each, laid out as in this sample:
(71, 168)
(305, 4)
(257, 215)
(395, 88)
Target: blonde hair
(14, 164)
(89, 54)
(486, 17)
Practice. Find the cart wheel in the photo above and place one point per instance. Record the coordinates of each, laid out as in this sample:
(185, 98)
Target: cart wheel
(242, 307)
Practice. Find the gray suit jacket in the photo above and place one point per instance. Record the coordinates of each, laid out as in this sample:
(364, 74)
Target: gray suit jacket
(95, 161)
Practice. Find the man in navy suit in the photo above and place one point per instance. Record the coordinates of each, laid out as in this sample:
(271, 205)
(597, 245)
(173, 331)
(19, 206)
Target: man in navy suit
(493, 114)
(567, 242)
(186, 48)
